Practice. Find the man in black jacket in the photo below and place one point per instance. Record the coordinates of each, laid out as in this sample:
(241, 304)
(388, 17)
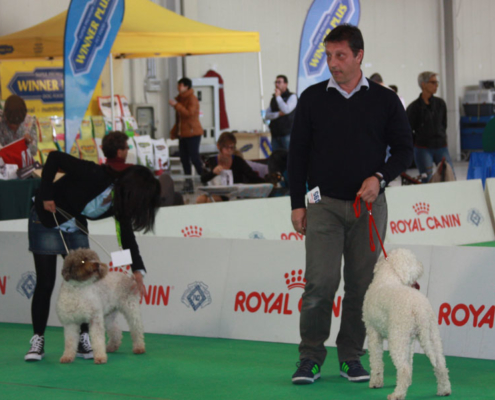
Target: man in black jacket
(281, 114)
(428, 119)
(342, 128)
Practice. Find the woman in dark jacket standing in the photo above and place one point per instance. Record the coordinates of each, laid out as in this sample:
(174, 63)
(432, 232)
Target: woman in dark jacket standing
(86, 191)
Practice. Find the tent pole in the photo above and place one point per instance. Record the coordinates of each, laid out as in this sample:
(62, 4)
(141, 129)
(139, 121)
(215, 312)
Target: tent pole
(263, 126)
(110, 59)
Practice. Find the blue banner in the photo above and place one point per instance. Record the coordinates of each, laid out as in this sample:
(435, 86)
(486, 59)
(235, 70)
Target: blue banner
(90, 31)
(323, 16)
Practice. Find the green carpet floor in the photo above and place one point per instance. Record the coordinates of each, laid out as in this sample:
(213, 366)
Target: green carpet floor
(180, 367)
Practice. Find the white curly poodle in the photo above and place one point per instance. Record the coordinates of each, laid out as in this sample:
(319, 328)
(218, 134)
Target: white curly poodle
(395, 311)
(90, 294)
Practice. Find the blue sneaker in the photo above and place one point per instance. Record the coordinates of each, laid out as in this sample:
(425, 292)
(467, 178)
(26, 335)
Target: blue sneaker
(307, 372)
(354, 371)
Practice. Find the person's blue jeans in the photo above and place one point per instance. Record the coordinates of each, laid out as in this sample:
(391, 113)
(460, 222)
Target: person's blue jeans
(281, 142)
(424, 159)
(189, 151)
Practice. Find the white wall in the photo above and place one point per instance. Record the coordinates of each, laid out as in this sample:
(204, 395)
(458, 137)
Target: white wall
(475, 41)
(395, 46)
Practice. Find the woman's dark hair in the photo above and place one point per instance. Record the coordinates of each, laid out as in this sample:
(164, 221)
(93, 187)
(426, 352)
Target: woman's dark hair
(349, 33)
(376, 77)
(115, 140)
(226, 137)
(394, 88)
(15, 110)
(186, 82)
(137, 198)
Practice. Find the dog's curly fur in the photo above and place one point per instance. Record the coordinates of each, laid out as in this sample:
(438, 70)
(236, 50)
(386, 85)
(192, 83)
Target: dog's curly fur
(90, 294)
(395, 311)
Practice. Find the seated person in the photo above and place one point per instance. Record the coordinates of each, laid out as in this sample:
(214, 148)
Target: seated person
(168, 195)
(226, 160)
(115, 149)
(15, 124)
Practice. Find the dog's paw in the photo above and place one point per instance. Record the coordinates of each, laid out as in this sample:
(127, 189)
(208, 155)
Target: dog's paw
(444, 393)
(139, 350)
(111, 348)
(66, 359)
(394, 396)
(376, 382)
(101, 359)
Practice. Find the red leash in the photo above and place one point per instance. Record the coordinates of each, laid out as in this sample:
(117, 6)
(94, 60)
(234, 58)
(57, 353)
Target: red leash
(357, 211)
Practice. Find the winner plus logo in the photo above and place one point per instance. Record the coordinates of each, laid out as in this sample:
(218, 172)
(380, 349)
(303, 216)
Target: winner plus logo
(424, 221)
(268, 303)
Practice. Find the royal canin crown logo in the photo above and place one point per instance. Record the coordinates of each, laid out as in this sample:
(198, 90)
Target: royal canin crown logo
(294, 280)
(421, 208)
(420, 223)
(125, 269)
(192, 231)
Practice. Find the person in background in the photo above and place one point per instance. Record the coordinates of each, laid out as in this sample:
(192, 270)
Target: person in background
(428, 119)
(280, 113)
(86, 191)
(226, 160)
(396, 90)
(187, 128)
(15, 124)
(377, 78)
(341, 131)
(115, 149)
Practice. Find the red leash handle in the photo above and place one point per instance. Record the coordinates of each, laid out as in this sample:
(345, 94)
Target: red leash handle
(357, 212)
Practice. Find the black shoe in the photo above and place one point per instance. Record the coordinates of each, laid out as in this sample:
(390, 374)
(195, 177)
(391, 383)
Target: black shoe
(354, 371)
(84, 349)
(37, 351)
(307, 372)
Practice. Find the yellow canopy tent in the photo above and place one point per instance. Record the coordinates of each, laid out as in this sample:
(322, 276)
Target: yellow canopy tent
(148, 30)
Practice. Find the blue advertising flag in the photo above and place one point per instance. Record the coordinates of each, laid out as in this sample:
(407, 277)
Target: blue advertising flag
(90, 30)
(323, 16)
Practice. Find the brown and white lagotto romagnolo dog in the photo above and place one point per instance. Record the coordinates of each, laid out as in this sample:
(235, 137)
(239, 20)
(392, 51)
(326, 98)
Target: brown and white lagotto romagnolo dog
(90, 294)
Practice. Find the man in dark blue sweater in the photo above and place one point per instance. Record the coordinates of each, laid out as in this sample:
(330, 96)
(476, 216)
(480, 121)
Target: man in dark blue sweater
(341, 131)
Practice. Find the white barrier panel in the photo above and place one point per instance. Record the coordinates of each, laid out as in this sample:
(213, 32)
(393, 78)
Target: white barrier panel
(447, 213)
(243, 289)
(435, 214)
(490, 198)
(243, 219)
(462, 295)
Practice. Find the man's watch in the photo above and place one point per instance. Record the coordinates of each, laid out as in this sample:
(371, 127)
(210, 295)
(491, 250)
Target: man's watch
(382, 181)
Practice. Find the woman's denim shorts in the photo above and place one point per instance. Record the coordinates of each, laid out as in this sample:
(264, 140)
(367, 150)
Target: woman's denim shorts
(44, 240)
